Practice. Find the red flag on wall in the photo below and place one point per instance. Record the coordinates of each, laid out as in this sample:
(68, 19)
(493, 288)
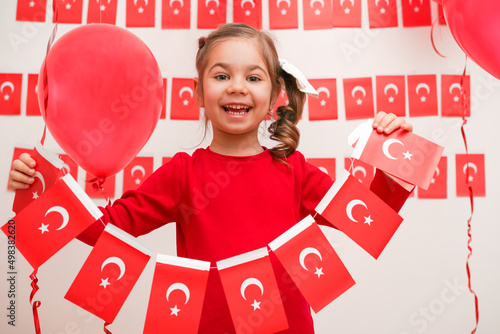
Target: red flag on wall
(317, 14)
(474, 165)
(177, 295)
(451, 95)
(422, 95)
(136, 172)
(359, 213)
(102, 11)
(400, 153)
(438, 186)
(31, 10)
(211, 13)
(416, 13)
(248, 12)
(382, 13)
(49, 223)
(358, 98)
(176, 14)
(10, 93)
(324, 106)
(327, 165)
(347, 13)
(304, 248)
(48, 171)
(140, 13)
(251, 291)
(283, 14)
(362, 171)
(109, 274)
(183, 102)
(391, 94)
(69, 11)
(32, 107)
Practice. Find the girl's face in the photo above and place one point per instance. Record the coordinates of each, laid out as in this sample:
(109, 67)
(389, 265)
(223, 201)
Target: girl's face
(236, 88)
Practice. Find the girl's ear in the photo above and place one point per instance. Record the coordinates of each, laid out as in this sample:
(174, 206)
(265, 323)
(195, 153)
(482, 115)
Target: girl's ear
(197, 92)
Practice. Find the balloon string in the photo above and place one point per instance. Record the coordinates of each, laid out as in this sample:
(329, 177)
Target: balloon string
(471, 196)
(432, 38)
(105, 329)
(97, 186)
(37, 303)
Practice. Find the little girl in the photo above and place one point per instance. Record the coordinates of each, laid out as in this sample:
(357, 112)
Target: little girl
(234, 196)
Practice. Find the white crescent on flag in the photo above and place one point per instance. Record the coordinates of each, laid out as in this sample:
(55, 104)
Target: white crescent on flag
(7, 84)
(389, 86)
(306, 251)
(351, 206)
(40, 176)
(424, 86)
(138, 168)
(250, 1)
(178, 286)
(387, 144)
(186, 88)
(324, 89)
(359, 169)
(171, 2)
(64, 214)
(453, 86)
(250, 281)
(116, 260)
(358, 89)
(206, 5)
(288, 2)
(322, 2)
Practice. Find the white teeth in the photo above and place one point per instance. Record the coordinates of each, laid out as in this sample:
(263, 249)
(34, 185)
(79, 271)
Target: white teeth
(236, 113)
(230, 109)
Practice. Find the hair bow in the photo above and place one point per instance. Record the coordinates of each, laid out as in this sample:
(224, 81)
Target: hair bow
(302, 83)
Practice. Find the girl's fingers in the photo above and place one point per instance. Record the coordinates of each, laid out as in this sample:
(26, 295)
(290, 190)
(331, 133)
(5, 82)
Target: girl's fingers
(27, 160)
(387, 123)
(19, 180)
(23, 167)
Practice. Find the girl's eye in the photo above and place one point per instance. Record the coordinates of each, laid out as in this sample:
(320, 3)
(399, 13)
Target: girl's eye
(253, 78)
(221, 77)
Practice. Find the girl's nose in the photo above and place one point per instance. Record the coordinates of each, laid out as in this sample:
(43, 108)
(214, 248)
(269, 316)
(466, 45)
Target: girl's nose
(237, 86)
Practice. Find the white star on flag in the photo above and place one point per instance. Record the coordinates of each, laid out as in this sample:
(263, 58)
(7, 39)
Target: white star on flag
(317, 12)
(319, 272)
(382, 10)
(256, 305)
(6, 97)
(359, 102)
(176, 11)
(137, 181)
(407, 155)
(140, 10)
(212, 12)
(44, 228)
(104, 282)
(248, 12)
(185, 102)
(391, 99)
(174, 310)
(323, 103)
(368, 220)
(423, 98)
(68, 6)
(32, 4)
(35, 195)
(456, 98)
(283, 11)
(347, 11)
(416, 9)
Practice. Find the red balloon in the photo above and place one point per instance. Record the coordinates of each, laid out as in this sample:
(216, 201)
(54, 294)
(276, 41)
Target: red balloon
(100, 93)
(475, 25)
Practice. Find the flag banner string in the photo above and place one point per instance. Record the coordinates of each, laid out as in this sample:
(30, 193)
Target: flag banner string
(36, 304)
(432, 37)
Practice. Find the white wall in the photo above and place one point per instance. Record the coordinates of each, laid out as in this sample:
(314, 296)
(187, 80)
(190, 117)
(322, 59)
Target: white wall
(418, 285)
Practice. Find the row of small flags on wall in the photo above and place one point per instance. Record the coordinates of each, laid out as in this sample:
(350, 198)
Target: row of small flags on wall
(283, 14)
(418, 94)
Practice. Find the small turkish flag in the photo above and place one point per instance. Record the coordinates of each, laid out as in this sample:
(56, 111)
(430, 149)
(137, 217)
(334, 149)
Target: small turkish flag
(102, 11)
(140, 13)
(326, 165)
(107, 189)
(283, 14)
(109, 274)
(177, 295)
(400, 153)
(416, 13)
(347, 13)
(391, 94)
(358, 98)
(163, 114)
(453, 90)
(211, 13)
(10, 93)
(48, 171)
(69, 11)
(312, 263)
(317, 14)
(437, 188)
(138, 170)
(422, 95)
(248, 12)
(176, 14)
(31, 10)
(362, 171)
(252, 292)
(32, 107)
(324, 106)
(470, 168)
(69, 166)
(17, 152)
(355, 210)
(383, 13)
(49, 223)
(183, 103)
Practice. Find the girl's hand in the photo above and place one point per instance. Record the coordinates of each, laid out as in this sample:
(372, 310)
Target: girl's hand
(387, 123)
(21, 175)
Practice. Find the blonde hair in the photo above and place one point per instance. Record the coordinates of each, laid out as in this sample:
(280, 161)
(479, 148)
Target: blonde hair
(283, 129)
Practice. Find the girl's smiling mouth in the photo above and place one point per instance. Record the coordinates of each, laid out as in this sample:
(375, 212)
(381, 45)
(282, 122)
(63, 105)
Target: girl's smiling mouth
(236, 109)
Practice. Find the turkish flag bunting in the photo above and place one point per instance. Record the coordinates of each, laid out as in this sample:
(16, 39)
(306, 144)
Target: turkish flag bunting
(177, 295)
(10, 93)
(470, 167)
(183, 103)
(248, 12)
(69, 166)
(102, 11)
(326, 165)
(17, 152)
(391, 94)
(358, 98)
(323, 277)
(107, 189)
(324, 106)
(317, 14)
(437, 188)
(416, 13)
(352, 208)
(140, 13)
(400, 153)
(422, 95)
(176, 14)
(347, 13)
(136, 172)
(32, 107)
(109, 274)
(31, 10)
(252, 292)
(211, 13)
(49, 223)
(283, 14)
(383, 13)
(48, 171)
(452, 95)
(362, 171)
(69, 11)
